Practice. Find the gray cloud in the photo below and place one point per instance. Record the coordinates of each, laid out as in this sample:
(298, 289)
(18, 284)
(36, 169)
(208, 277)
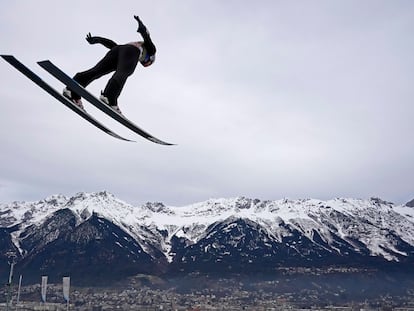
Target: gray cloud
(281, 99)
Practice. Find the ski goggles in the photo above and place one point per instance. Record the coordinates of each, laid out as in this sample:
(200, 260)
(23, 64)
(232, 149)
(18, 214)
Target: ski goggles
(149, 59)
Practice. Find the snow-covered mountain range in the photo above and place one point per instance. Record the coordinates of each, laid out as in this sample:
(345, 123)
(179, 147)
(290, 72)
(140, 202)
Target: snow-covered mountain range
(63, 235)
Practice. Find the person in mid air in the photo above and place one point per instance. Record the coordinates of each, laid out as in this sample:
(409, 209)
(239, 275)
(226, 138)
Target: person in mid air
(122, 59)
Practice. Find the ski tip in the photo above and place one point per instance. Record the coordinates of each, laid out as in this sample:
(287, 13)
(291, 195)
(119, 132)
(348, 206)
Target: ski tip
(160, 142)
(43, 62)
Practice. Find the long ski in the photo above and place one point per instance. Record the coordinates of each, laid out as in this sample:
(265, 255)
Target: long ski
(37, 80)
(72, 84)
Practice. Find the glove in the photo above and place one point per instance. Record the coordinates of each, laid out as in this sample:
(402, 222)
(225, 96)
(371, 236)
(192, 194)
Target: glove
(141, 27)
(90, 39)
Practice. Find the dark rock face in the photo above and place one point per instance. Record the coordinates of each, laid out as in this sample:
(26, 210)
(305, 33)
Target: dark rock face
(96, 249)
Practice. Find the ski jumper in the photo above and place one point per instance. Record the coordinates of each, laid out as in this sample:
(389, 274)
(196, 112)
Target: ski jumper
(122, 59)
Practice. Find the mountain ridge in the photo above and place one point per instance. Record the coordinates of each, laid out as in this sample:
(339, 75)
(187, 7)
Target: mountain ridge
(235, 234)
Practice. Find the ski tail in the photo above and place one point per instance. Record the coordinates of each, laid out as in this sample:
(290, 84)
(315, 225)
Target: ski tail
(51, 91)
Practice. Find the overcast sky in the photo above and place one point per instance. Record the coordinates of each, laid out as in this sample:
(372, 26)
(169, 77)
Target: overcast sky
(265, 99)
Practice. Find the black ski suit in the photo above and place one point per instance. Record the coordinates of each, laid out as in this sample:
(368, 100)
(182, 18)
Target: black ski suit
(122, 59)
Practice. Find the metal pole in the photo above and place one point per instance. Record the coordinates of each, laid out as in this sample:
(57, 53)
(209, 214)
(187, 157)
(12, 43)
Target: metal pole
(18, 291)
(11, 271)
(7, 296)
(9, 285)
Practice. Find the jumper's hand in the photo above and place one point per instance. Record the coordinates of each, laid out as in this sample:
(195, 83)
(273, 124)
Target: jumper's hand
(90, 39)
(141, 26)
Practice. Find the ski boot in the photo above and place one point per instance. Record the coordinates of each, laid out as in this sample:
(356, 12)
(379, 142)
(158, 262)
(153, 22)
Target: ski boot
(68, 94)
(105, 99)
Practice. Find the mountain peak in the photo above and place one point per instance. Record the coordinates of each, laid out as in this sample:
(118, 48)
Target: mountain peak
(378, 201)
(410, 204)
(156, 207)
(94, 195)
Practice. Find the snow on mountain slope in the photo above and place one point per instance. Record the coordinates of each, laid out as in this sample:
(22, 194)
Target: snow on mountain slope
(29, 212)
(379, 225)
(368, 221)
